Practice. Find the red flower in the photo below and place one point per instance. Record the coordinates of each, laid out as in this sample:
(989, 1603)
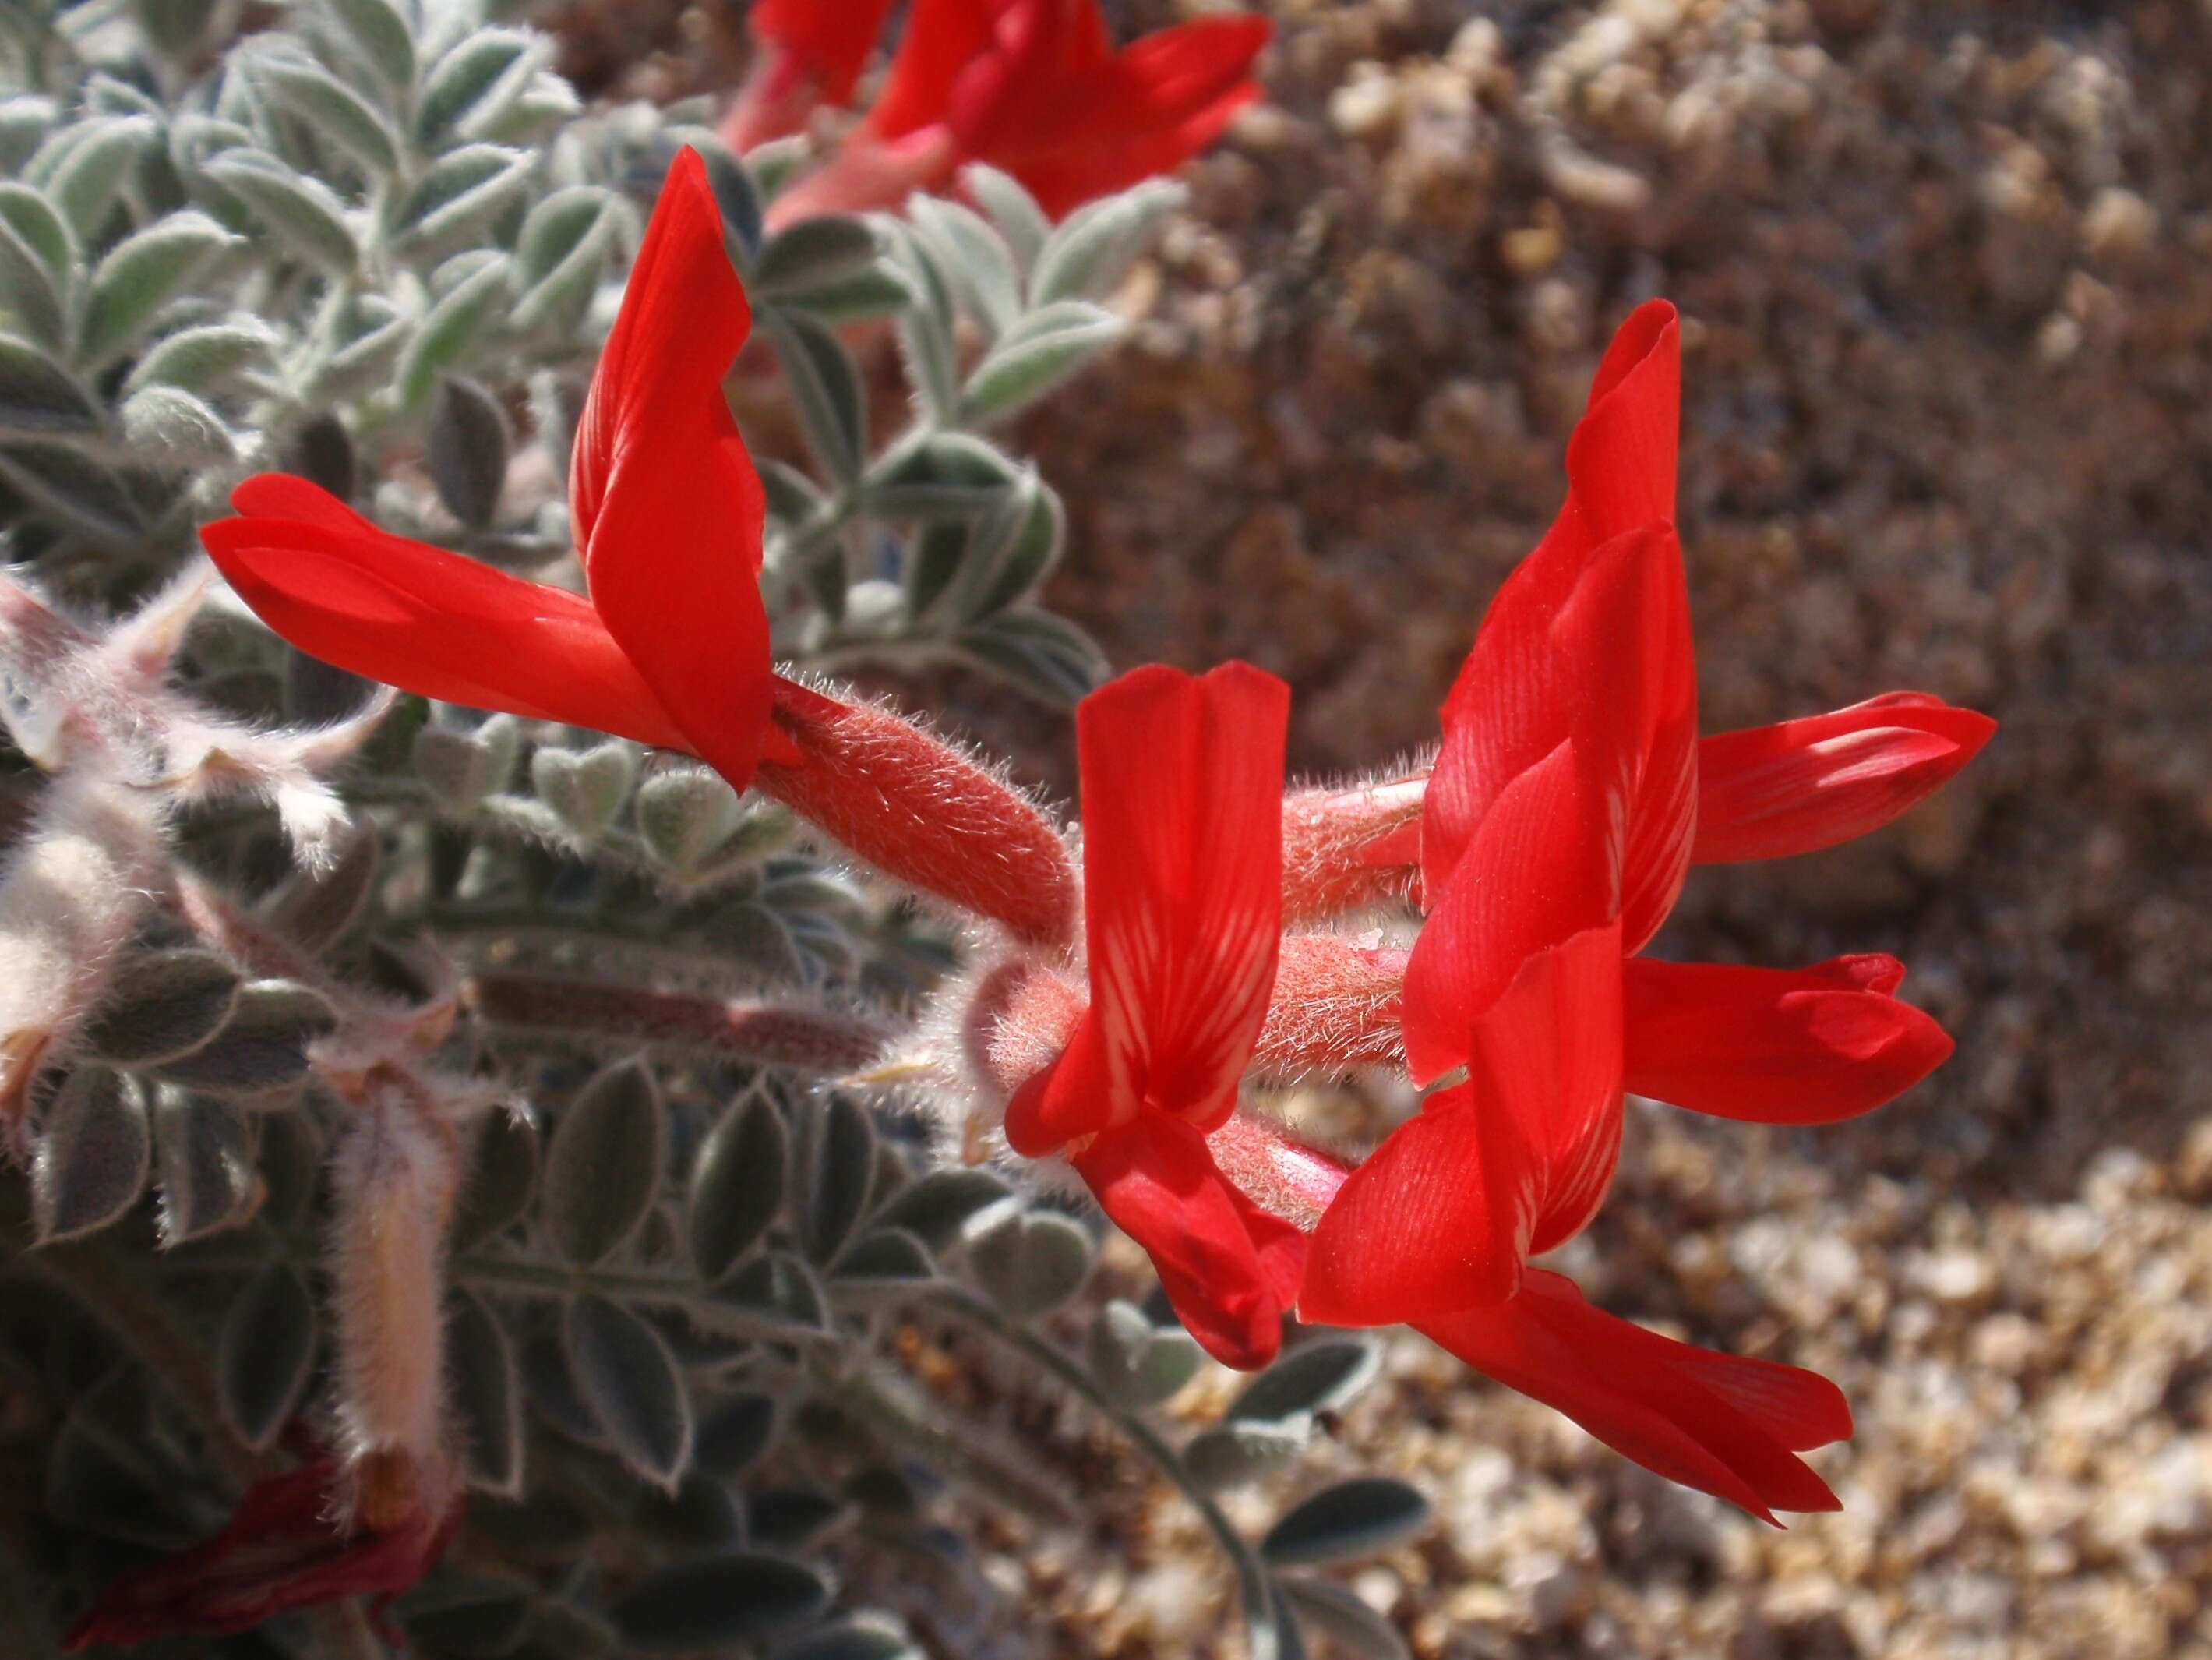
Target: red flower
(1183, 783)
(1035, 88)
(807, 52)
(673, 646)
(284, 1548)
(1556, 830)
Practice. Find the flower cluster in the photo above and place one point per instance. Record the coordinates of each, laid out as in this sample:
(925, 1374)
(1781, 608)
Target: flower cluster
(1546, 845)
(1032, 87)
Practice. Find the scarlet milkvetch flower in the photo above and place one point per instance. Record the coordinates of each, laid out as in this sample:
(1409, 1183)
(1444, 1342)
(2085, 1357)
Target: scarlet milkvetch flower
(670, 645)
(1035, 88)
(290, 1544)
(1181, 805)
(805, 54)
(1556, 831)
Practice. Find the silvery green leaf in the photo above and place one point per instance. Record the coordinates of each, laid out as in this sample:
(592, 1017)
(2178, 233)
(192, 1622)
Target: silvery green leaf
(925, 339)
(161, 1005)
(702, 1514)
(1049, 346)
(213, 357)
(321, 452)
(475, 1616)
(175, 28)
(452, 325)
(974, 257)
(316, 907)
(203, 1164)
(812, 254)
(1042, 653)
(462, 768)
(333, 109)
(1094, 247)
(462, 191)
(733, 187)
(1231, 1454)
(290, 1159)
(773, 1288)
(168, 428)
(776, 163)
(603, 1169)
(77, 491)
(140, 275)
(623, 1371)
(502, 1180)
(384, 34)
(882, 1262)
(865, 1636)
(877, 290)
(1344, 1619)
(303, 214)
(25, 120)
(262, 1046)
(586, 787)
(530, 117)
(713, 1602)
(38, 260)
(366, 342)
(791, 496)
(943, 475)
(1317, 1376)
(1352, 1518)
(80, 168)
(563, 247)
(40, 397)
(936, 1208)
(733, 1435)
(92, 1156)
(794, 1518)
(1015, 549)
(466, 446)
(737, 1184)
(840, 1161)
(487, 1394)
(1014, 212)
(1136, 1363)
(103, 93)
(472, 86)
(1033, 1262)
(267, 1348)
(685, 813)
(933, 566)
(824, 386)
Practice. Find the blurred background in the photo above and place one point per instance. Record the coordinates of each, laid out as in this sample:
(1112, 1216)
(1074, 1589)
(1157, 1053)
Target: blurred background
(1945, 271)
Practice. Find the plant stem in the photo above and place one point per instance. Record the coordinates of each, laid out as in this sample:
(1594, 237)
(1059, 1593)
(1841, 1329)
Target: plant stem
(1260, 1627)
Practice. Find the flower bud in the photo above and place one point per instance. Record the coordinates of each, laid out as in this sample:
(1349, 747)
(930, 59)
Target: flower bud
(1346, 850)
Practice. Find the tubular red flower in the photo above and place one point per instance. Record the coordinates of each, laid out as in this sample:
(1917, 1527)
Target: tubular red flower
(1722, 1423)
(832, 41)
(1776, 1045)
(1771, 792)
(1181, 783)
(1035, 88)
(285, 1548)
(673, 646)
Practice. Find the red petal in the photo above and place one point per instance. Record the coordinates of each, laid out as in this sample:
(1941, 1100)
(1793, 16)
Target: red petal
(1724, 1425)
(1540, 869)
(1621, 460)
(667, 509)
(1776, 1045)
(425, 619)
(833, 39)
(1231, 1269)
(1769, 792)
(941, 38)
(1445, 1213)
(1182, 794)
(282, 1550)
(1607, 661)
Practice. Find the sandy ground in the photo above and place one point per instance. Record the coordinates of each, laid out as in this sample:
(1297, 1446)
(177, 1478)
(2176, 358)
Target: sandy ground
(1947, 276)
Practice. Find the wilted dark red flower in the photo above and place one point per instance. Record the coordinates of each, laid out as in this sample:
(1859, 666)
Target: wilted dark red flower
(288, 1546)
(1035, 88)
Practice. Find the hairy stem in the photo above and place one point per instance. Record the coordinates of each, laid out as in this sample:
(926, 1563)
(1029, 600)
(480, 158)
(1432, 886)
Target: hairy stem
(804, 1040)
